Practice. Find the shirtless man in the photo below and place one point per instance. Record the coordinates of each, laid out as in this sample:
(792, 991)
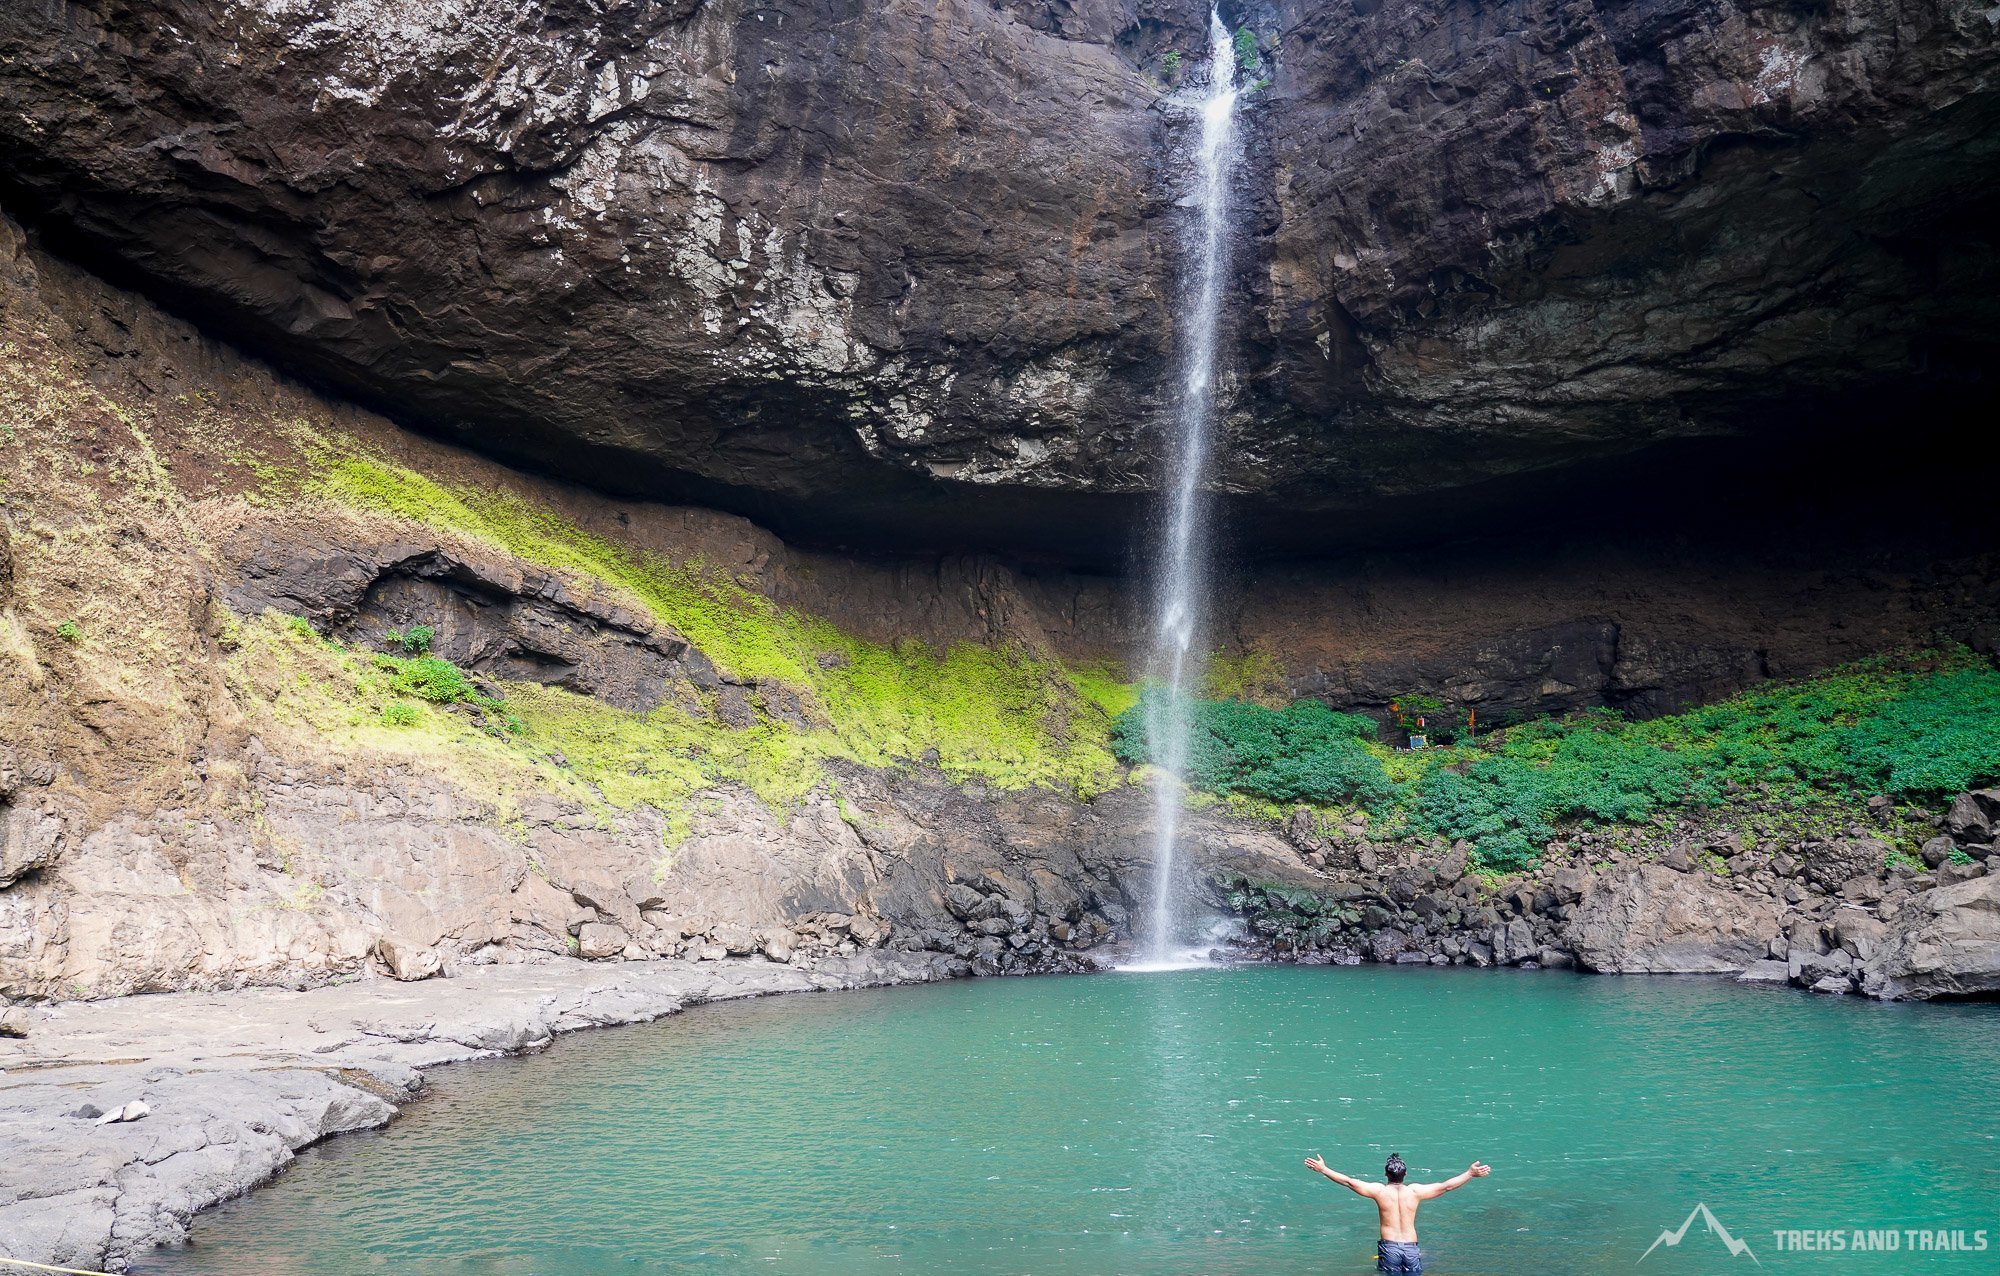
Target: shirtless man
(1397, 1250)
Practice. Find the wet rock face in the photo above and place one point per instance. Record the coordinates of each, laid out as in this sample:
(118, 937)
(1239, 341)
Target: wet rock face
(1545, 231)
(907, 272)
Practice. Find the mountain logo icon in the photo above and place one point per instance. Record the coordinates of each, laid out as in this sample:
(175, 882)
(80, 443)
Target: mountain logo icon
(1670, 1239)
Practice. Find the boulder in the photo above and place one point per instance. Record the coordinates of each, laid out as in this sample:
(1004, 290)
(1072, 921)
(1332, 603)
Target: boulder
(31, 838)
(1301, 832)
(1387, 945)
(607, 900)
(136, 1110)
(1649, 919)
(666, 923)
(1943, 943)
(1452, 868)
(1805, 937)
(1973, 815)
(1809, 970)
(1726, 844)
(1862, 888)
(1857, 932)
(959, 899)
(736, 941)
(1765, 972)
(1514, 942)
(872, 932)
(1830, 865)
(1570, 883)
(408, 961)
(1947, 874)
(596, 941)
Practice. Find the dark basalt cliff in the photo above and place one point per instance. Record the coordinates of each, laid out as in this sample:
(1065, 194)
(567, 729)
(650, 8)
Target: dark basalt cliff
(905, 275)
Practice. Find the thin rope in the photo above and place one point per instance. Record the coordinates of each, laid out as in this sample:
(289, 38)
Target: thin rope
(44, 1267)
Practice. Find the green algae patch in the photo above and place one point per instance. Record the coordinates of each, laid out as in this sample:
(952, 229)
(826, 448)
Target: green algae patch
(1255, 677)
(361, 701)
(1004, 715)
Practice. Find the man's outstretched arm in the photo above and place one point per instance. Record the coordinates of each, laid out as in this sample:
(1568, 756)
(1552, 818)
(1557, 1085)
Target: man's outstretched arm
(1428, 1191)
(1318, 1166)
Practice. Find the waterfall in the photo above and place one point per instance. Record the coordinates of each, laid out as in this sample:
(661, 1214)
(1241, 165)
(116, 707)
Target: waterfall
(1180, 582)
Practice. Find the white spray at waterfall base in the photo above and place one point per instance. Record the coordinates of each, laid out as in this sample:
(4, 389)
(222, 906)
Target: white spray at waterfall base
(1180, 582)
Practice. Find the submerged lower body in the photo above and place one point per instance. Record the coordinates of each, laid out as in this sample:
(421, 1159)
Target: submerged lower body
(1398, 1256)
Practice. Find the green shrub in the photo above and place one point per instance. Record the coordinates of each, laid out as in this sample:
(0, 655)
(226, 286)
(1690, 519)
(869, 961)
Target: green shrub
(1247, 56)
(414, 641)
(435, 679)
(1170, 65)
(400, 713)
(68, 632)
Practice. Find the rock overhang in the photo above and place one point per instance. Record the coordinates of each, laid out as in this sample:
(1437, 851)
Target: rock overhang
(896, 284)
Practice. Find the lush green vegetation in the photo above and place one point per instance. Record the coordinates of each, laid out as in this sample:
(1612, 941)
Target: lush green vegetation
(1304, 752)
(1920, 728)
(1005, 715)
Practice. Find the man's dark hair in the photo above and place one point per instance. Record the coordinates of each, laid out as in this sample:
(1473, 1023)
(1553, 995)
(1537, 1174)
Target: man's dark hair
(1395, 1169)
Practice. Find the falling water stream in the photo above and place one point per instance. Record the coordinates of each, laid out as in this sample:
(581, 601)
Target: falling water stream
(1181, 571)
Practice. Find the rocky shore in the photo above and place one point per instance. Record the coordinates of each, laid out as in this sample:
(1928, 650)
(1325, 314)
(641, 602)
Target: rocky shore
(234, 1084)
(1835, 915)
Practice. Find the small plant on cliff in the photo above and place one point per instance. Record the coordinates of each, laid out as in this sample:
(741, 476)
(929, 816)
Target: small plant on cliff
(1170, 66)
(441, 682)
(401, 713)
(69, 633)
(415, 640)
(1247, 56)
(435, 679)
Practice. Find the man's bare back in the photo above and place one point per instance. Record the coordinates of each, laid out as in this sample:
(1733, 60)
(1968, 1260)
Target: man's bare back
(1397, 1203)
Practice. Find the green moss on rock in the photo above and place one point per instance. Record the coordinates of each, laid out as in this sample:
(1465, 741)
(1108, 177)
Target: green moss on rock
(1004, 715)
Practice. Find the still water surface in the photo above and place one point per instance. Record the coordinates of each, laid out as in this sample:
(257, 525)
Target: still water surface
(1156, 1123)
